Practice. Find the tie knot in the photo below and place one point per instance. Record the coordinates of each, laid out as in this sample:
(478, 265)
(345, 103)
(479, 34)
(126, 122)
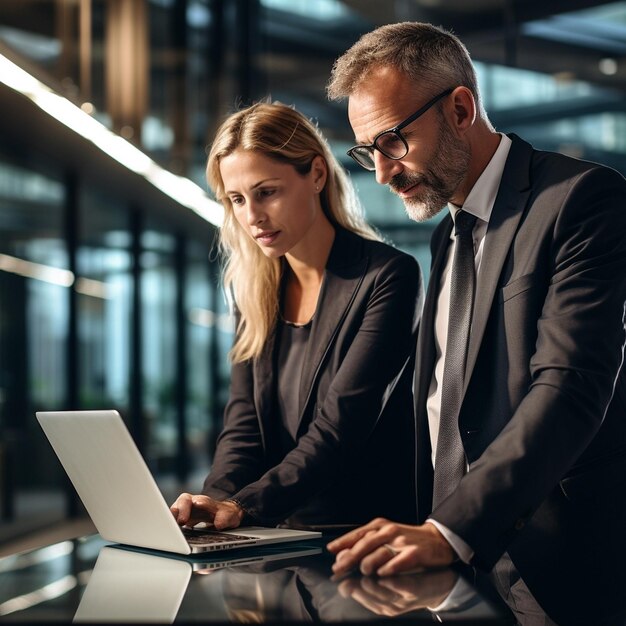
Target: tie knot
(464, 223)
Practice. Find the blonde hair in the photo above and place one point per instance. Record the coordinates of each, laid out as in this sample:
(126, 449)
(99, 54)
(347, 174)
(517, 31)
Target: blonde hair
(279, 132)
(430, 56)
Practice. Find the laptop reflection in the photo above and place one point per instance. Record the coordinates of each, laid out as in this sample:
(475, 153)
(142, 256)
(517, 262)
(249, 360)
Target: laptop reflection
(127, 585)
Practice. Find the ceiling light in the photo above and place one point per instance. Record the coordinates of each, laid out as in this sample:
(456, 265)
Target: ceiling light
(181, 189)
(608, 66)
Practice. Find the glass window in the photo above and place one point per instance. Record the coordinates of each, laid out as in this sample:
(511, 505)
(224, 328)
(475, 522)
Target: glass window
(104, 301)
(199, 321)
(34, 282)
(158, 360)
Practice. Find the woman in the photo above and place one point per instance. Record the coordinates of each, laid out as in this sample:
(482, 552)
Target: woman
(319, 426)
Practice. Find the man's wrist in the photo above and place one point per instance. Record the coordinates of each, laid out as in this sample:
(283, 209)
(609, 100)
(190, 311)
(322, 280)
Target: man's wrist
(461, 550)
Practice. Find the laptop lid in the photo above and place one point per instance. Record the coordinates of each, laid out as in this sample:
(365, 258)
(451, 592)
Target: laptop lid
(118, 490)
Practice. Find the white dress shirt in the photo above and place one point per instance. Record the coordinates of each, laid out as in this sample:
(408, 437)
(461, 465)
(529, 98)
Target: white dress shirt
(479, 202)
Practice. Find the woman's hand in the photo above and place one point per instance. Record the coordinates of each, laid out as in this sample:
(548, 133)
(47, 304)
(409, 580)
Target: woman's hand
(189, 510)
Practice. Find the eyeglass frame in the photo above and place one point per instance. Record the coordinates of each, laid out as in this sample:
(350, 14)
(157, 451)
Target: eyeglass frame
(396, 131)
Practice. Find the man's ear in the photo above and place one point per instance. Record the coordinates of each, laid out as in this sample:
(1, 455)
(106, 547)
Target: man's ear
(462, 110)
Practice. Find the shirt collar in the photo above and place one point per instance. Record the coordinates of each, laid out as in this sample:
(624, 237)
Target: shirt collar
(482, 196)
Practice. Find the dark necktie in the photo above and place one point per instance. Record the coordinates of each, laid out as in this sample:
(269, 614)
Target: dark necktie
(450, 455)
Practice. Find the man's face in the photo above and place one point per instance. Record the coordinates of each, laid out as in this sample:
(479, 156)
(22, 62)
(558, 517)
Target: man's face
(437, 160)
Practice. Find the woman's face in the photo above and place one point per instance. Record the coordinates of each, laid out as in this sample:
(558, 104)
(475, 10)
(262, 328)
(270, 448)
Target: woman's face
(271, 201)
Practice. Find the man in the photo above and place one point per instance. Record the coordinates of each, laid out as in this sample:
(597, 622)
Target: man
(520, 396)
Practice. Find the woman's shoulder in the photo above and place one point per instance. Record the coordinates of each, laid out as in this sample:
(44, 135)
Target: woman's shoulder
(383, 252)
(352, 253)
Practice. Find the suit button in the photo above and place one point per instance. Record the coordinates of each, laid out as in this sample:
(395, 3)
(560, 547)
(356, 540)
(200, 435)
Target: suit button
(519, 524)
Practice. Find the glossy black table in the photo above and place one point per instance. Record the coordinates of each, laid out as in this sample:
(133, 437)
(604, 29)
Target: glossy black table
(88, 580)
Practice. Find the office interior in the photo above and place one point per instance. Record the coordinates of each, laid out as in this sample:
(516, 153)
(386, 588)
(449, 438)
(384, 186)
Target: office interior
(109, 272)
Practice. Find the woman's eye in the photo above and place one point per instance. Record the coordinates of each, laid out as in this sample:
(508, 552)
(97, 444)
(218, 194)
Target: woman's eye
(236, 200)
(264, 193)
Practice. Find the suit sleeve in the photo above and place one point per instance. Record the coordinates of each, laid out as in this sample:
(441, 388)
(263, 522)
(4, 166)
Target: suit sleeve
(577, 358)
(239, 453)
(346, 418)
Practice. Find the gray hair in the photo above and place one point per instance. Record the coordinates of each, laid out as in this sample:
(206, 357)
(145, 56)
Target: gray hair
(433, 58)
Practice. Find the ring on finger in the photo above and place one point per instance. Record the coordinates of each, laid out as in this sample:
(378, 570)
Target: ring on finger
(391, 549)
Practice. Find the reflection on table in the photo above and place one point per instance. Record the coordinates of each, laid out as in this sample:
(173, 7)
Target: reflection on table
(86, 581)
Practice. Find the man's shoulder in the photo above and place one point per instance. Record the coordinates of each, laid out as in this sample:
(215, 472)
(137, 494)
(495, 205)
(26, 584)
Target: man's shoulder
(553, 167)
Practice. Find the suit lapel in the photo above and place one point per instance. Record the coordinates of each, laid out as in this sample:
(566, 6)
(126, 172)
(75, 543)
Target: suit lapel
(507, 212)
(344, 273)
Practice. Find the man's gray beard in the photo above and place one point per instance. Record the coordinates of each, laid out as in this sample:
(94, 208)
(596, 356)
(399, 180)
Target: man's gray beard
(421, 211)
(445, 173)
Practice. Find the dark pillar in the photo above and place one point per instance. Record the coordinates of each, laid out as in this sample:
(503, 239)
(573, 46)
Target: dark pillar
(182, 383)
(136, 420)
(216, 408)
(247, 28)
(72, 395)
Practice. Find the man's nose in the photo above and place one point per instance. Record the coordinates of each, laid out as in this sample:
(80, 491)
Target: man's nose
(386, 168)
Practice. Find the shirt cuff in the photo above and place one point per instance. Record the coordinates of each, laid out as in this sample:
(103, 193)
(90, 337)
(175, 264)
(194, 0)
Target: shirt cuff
(464, 552)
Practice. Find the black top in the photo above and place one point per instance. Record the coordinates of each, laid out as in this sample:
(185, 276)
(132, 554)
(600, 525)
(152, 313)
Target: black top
(292, 342)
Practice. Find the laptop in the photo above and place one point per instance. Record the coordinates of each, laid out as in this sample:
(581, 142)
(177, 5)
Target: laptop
(121, 496)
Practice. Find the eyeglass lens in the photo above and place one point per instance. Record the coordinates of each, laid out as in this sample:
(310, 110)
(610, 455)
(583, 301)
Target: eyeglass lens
(390, 144)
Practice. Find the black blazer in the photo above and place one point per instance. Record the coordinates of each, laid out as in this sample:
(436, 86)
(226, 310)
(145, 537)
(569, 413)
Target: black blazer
(543, 419)
(354, 455)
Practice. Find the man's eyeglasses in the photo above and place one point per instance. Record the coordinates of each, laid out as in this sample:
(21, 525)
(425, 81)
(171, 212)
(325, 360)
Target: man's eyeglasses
(390, 142)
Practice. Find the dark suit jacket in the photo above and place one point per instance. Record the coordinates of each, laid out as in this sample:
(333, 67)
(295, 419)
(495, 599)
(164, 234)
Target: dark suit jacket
(543, 419)
(353, 458)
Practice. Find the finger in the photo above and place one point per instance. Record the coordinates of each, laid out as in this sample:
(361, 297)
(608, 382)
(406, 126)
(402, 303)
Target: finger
(371, 562)
(346, 587)
(372, 604)
(343, 563)
(351, 537)
(182, 508)
(378, 591)
(201, 509)
(408, 587)
(365, 546)
(408, 560)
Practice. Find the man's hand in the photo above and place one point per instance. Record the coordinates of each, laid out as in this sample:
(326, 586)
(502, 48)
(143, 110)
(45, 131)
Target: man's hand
(385, 548)
(190, 510)
(400, 594)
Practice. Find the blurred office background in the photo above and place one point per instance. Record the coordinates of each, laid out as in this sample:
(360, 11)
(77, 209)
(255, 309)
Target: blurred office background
(109, 283)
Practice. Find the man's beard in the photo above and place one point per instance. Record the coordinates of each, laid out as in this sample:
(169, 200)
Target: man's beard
(443, 176)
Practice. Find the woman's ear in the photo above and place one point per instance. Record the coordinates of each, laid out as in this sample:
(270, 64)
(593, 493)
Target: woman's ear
(319, 169)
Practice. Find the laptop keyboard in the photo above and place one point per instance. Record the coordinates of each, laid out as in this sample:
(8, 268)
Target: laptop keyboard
(208, 537)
